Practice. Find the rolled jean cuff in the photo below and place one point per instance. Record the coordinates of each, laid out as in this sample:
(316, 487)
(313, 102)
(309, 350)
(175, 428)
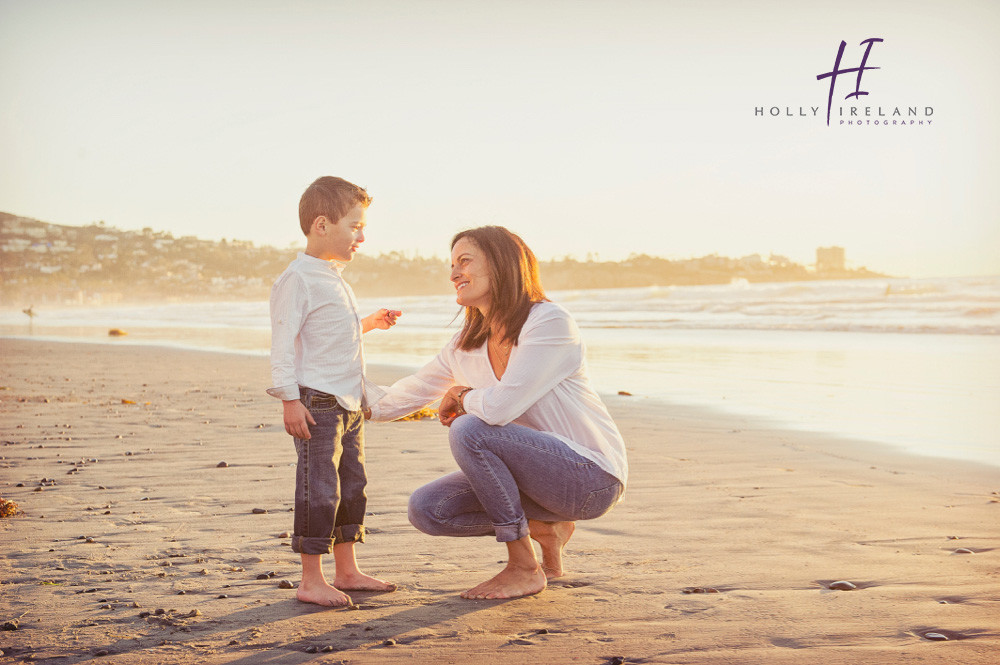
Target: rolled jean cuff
(507, 533)
(349, 533)
(307, 545)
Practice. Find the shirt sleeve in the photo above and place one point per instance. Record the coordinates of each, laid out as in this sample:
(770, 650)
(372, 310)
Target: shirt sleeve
(289, 302)
(416, 391)
(549, 350)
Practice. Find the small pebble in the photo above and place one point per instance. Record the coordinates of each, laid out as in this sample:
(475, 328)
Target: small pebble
(937, 637)
(181, 592)
(843, 585)
(617, 660)
(194, 613)
(160, 611)
(284, 534)
(102, 652)
(90, 540)
(285, 584)
(328, 648)
(389, 643)
(222, 595)
(259, 511)
(143, 615)
(222, 465)
(312, 649)
(106, 606)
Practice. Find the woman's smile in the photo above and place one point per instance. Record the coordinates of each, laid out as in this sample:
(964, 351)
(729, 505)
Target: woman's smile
(470, 275)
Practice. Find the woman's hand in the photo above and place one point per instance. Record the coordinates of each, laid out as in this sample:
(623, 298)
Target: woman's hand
(451, 405)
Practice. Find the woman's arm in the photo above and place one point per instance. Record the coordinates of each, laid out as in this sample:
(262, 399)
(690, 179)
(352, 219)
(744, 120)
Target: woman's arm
(418, 390)
(549, 350)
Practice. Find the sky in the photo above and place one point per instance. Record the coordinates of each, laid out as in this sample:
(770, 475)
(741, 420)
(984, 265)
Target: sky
(591, 128)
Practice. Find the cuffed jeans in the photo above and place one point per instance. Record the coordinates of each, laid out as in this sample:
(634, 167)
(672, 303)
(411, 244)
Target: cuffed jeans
(330, 478)
(510, 474)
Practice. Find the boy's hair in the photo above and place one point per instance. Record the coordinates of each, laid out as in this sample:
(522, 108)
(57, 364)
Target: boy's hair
(330, 197)
(515, 286)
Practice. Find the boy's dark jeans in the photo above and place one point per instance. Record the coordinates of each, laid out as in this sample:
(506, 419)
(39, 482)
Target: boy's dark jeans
(330, 479)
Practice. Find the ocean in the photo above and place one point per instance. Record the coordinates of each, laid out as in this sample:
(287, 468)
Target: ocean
(913, 363)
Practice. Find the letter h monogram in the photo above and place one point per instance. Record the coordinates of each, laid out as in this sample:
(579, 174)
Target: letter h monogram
(837, 71)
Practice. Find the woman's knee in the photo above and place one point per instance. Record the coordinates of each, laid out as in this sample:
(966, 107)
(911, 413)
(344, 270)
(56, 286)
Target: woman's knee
(465, 432)
(420, 510)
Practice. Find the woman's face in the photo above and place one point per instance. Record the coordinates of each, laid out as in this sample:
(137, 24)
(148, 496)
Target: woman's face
(470, 274)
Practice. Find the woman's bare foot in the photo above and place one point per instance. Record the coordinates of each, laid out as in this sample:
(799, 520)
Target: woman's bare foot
(552, 537)
(322, 594)
(512, 582)
(358, 581)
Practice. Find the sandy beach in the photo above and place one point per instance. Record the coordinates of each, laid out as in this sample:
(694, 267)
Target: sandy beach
(143, 475)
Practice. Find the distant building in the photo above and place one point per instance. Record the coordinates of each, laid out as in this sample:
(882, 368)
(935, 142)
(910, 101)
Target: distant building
(830, 259)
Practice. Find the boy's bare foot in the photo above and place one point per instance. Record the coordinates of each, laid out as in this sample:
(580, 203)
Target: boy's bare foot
(552, 537)
(360, 582)
(322, 594)
(511, 582)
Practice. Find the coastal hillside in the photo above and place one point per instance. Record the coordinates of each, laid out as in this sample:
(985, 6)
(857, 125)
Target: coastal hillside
(52, 263)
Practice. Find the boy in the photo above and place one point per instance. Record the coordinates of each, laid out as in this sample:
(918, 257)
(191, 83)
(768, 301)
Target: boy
(317, 365)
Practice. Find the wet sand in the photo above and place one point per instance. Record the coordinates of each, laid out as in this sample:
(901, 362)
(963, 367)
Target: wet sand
(138, 546)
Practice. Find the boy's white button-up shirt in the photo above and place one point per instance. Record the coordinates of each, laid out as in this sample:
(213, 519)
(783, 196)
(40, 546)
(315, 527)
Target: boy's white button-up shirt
(316, 333)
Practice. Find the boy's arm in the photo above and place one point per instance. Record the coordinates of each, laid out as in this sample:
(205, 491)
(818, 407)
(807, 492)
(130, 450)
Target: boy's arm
(288, 305)
(382, 319)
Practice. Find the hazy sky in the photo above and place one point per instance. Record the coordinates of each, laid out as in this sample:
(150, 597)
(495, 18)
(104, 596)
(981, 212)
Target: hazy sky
(588, 127)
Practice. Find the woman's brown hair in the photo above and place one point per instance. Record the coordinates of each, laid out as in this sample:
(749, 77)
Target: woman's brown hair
(514, 286)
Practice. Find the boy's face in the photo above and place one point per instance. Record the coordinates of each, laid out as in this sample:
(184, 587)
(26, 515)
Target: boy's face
(339, 240)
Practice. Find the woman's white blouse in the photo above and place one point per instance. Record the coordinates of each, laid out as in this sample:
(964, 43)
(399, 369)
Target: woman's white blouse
(545, 387)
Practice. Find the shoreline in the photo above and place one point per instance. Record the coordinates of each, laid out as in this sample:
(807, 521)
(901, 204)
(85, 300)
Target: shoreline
(761, 520)
(631, 381)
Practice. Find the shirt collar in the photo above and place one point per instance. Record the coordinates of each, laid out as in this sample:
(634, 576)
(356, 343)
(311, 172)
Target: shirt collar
(332, 263)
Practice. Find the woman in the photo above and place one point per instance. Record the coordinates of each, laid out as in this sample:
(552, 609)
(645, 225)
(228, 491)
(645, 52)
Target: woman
(536, 447)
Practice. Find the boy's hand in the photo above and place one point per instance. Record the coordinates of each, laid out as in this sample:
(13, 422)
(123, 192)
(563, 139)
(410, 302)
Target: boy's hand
(297, 419)
(382, 319)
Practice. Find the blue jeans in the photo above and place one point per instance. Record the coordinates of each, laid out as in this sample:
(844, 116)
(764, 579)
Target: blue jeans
(510, 474)
(330, 477)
